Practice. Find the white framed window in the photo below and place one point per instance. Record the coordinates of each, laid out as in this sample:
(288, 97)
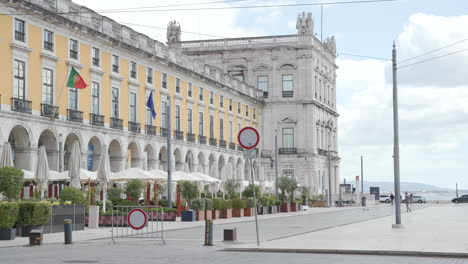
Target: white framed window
(230, 131)
(149, 75)
(189, 121)
(163, 114)
(238, 107)
(20, 30)
(200, 123)
(288, 137)
(262, 84)
(189, 90)
(287, 80)
(48, 40)
(73, 52)
(133, 104)
(115, 64)
(115, 103)
(221, 101)
(177, 85)
(246, 110)
(200, 93)
(211, 97)
(211, 126)
(177, 117)
(133, 70)
(47, 86)
(73, 99)
(254, 113)
(164, 80)
(95, 98)
(96, 57)
(19, 87)
(221, 129)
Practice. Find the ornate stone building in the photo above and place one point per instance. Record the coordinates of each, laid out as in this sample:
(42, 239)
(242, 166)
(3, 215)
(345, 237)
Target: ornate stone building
(297, 77)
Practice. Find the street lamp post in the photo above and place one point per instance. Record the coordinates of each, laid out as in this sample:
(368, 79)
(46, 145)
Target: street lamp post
(329, 177)
(396, 142)
(276, 165)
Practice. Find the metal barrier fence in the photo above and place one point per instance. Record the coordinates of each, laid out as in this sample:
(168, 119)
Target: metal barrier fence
(140, 222)
(75, 212)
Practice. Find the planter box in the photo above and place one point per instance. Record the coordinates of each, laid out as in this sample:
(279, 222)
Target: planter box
(25, 230)
(238, 212)
(273, 209)
(208, 214)
(200, 215)
(158, 216)
(188, 216)
(75, 212)
(8, 234)
(285, 208)
(215, 214)
(226, 213)
(318, 204)
(265, 210)
(248, 212)
(294, 207)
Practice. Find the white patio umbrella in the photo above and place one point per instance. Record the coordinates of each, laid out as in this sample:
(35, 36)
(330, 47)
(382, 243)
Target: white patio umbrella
(103, 175)
(74, 166)
(6, 160)
(41, 173)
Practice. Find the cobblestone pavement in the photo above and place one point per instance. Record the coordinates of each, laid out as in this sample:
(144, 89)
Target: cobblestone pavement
(185, 246)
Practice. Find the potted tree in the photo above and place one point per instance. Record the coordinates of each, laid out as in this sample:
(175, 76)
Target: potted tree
(217, 207)
(198, 205)
(226, 211)
(231, 187)
(11, 182)
(264, 201)
(249, 210)
(208, 208)
(238, 206)
(305, 193)
(8, 217)
(189, 191)
(33, 215)
(134, 189)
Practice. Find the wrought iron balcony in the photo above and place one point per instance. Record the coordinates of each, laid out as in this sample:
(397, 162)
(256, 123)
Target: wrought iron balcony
(97, 120)
(190, 137)
(21, 105)
(74, 54)
(240, 148)
(265, 94)
(116, 123)
(285, 151)
(115, 68)
(178, 135)
(202, 140)
(48, 46)
(213, 142)
(74, 115)
(288, 93)
(50, 110)
(163, 131)
(222, 143)
(133, 74)
(96, 62)
(232, 146)
(150, 130)
(19, 36)
(134, 127)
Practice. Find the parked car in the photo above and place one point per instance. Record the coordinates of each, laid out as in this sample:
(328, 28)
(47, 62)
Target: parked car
(419, 199)
(461, 199)
(385, 198)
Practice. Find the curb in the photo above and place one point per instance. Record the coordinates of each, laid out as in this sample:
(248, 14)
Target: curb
(353, 252)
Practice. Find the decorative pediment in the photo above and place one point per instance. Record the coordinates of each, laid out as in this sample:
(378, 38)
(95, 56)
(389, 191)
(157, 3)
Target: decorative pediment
(262, 67)
(287, 67)
(288, 120)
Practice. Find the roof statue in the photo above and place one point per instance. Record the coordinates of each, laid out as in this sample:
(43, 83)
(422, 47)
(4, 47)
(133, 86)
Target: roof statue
(330, 44)
(305, 24)
(173, 32)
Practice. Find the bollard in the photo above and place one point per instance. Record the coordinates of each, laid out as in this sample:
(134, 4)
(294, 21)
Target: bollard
(67, 228)
(208, 233)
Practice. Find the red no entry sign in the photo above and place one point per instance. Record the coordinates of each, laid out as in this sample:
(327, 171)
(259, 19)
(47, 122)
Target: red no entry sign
(137, 219)
(248, 137)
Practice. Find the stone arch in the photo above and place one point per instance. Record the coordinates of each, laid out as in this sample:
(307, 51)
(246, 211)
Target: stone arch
(163, 158)
(48, 139)
(149, 163)
(94, 153)
(189, 162)
(212, 166)
(178, 161)
(133, 155)
(230, 168)
(222, 168)
(20, 141)
(287, 66)
(70, 139)
(115, 155)
(201, 162)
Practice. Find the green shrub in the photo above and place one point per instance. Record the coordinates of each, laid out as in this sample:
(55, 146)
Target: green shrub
(163, 203)
(114, 194)
(198, 204)
(126, 203)
(217, 204)
(238, 203)
(189, 190)
(73, 195)
(33, 213)
(250, 202)
(231, 186)
(8, 214)
(227, 204)
(208, 204)
(11, 182)
(110, 212)
(277, 203)
(249, 191)
(264, 200)
(134, 189)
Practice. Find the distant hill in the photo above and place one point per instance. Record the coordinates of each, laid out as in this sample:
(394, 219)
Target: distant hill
(407, 186)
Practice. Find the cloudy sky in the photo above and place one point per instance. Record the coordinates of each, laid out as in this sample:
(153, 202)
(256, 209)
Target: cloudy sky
(433, 95)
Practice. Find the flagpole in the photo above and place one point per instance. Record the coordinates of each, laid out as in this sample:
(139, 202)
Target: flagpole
(61, 93)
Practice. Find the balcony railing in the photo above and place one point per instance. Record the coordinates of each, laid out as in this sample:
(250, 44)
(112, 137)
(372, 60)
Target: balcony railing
(134, 127)
(115, 68)
(285, 151)
(240, 148)
(74, 54)
(232, 146)
(288, 93)
(97, 120)
(133, 74)
(48, 46)
(149, 79)
(19, 36)
(163, 131)
(50, 110)
(116, 123)
(96, 62)
(202, 140)
(74, 115)
(190, 93)
(21, 105)
(164, 85)
(190, 137)
(323, 152)
(178, 135)
(150, 130)
(222, 143)
(213, 142)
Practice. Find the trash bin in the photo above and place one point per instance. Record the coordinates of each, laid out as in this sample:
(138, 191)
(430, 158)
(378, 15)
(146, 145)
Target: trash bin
(363, 201)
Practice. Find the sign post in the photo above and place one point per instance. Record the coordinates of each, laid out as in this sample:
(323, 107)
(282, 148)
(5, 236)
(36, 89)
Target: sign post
(248, 138)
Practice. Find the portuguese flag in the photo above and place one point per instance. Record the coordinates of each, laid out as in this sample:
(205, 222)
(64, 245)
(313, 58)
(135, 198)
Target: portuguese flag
(75, 80)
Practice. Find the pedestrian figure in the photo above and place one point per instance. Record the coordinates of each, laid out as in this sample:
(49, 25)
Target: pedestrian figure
(392, 197)
(411, 198)
(407, 202)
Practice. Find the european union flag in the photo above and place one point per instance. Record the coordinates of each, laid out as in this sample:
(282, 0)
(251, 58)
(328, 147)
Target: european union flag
(150, 104)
